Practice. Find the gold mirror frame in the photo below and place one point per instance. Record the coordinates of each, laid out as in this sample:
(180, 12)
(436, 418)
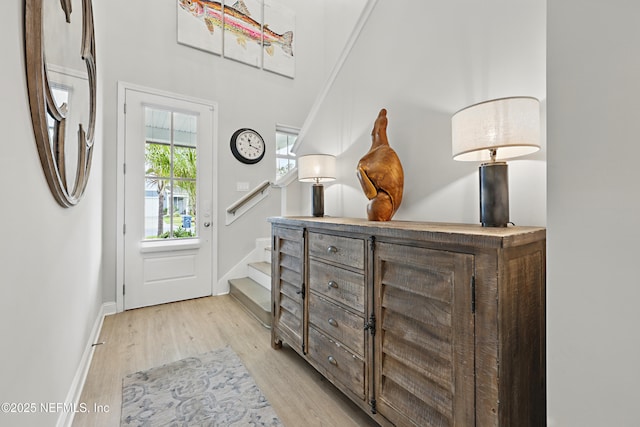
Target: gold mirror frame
(51, 149)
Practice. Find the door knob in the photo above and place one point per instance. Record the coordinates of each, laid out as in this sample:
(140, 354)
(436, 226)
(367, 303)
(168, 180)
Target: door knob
(207, 224)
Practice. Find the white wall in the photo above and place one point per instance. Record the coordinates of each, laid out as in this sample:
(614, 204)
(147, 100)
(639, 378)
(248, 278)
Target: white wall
(50, 257)
(423, 61)
(593, 284)
(142, 50)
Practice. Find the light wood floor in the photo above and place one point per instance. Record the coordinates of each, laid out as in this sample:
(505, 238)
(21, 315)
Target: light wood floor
(141, 339)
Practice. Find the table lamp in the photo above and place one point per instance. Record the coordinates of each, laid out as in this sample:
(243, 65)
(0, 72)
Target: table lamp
(317, 168)
(490, 132)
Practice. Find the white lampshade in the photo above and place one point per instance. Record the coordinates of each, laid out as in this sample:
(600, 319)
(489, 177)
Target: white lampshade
(316, 168)
(509, 125)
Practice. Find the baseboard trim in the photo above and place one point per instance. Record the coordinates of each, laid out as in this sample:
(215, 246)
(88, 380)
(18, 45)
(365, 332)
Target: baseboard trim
(66, 417)
(241, 269)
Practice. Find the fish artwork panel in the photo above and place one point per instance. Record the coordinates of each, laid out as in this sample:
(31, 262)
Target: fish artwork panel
(243, 31)
(234, 29)
(278, 45)
(200, 24)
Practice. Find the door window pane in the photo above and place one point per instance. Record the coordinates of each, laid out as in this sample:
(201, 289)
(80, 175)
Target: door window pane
(170, 174)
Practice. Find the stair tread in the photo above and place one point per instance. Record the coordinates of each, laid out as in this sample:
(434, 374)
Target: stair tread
(262, 266)
(253, 291)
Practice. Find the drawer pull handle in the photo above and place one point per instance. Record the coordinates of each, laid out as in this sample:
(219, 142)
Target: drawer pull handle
(333, 322)
(332, 249)
(332, 360)
(332, 284)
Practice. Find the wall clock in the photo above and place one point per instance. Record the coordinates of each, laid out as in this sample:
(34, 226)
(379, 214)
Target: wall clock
(247, 146)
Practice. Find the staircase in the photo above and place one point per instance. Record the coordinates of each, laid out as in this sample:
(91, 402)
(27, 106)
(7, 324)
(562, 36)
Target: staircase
(254, 291)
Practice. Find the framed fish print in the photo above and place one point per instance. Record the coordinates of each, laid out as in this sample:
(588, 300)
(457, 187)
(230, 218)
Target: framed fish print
(242, 36)
(200, 24)
(278, 43)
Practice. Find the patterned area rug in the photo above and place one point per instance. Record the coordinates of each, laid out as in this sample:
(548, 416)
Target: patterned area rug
(213, 389)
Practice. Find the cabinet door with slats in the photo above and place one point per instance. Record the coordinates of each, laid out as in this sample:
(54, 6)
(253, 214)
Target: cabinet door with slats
(288, 288)
(424, 342)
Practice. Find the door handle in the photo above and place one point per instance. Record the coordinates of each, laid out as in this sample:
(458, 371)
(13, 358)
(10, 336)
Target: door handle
(207, 224)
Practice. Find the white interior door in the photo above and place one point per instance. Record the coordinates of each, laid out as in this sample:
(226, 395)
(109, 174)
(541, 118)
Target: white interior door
(169, 219)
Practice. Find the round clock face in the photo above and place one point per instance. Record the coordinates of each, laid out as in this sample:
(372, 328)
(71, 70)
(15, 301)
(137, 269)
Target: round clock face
(247, 146)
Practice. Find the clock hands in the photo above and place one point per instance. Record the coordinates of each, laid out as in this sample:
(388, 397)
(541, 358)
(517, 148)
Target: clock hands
(247, 146)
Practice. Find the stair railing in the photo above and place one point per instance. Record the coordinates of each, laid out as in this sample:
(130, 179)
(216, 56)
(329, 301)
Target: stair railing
(246, 202)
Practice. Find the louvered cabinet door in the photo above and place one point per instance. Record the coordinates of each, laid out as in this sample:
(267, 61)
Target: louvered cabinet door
(424, 342)
(288, 288)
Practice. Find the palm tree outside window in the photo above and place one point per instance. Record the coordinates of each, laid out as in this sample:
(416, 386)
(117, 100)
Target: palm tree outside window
(170, 174)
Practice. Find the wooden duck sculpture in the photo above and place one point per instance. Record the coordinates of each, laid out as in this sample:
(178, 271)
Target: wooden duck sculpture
(380, 174)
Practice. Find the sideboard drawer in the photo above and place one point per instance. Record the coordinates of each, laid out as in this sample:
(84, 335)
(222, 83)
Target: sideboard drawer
(337, 362)
(338, 323)
(344, 250)
(341, 285)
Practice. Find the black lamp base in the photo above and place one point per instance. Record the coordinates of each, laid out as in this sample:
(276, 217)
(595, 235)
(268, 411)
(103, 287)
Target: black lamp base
(494, 194)
(317, 200)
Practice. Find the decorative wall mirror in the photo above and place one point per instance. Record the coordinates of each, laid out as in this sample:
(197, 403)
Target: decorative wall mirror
(61, 81)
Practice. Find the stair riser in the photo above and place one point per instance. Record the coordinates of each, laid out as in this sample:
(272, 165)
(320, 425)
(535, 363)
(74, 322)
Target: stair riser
(260, 277)
(260, 310)
(259, 314)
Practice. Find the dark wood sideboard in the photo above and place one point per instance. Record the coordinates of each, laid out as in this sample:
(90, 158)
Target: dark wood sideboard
(420, 324)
